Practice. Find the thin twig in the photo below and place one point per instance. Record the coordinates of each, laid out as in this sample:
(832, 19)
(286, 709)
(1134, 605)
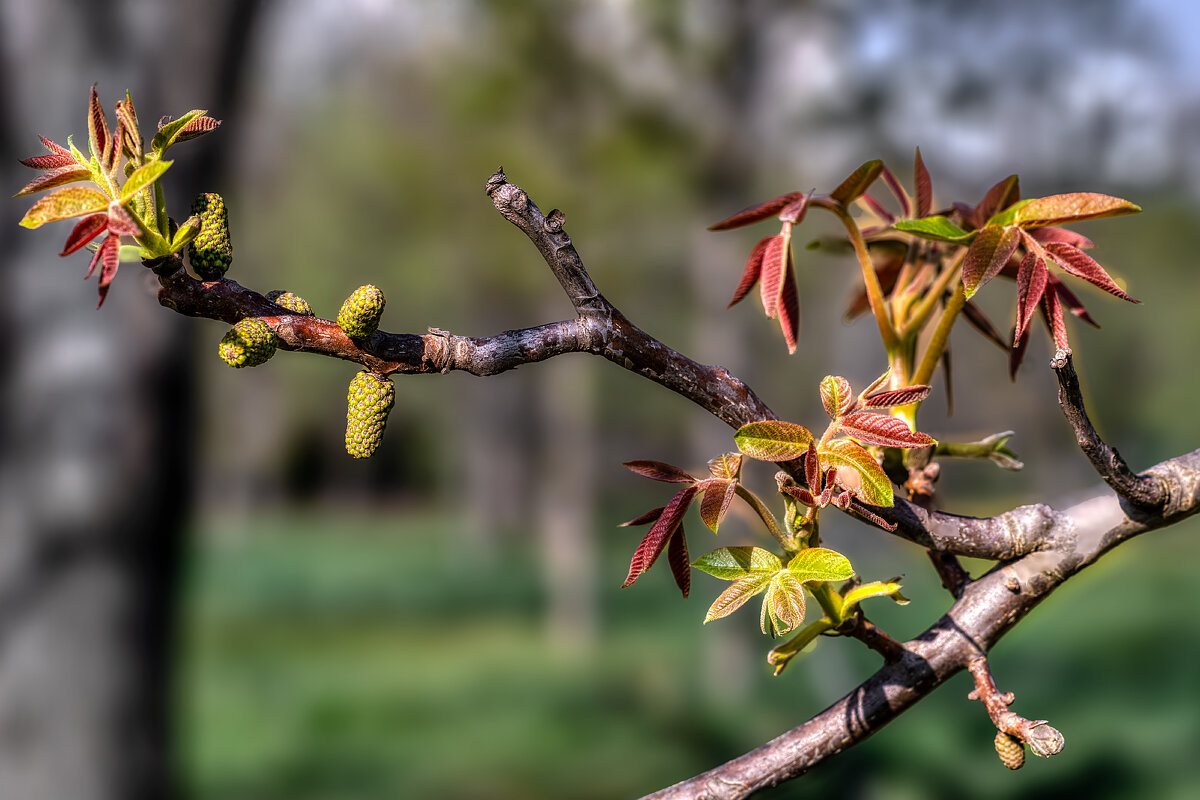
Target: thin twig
(1144, 491)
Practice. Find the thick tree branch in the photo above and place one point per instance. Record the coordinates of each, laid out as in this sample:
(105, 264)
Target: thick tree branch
(1141, 490)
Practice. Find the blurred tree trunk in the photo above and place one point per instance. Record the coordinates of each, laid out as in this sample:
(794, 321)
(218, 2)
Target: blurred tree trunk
(95, 472)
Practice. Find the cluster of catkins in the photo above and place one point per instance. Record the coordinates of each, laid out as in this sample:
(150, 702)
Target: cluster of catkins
(251, 341)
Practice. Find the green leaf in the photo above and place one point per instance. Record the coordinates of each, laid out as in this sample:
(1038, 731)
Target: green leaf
(1009, 215)
(820, 564)
(143, 176)
(169, 133)
(781, 655)
(131, 252)
(857, 182)
(773, 440)
(875, 589)
(734, 563)
(727, 465)
(857, 466)
(1060, 209)
(938, 228)
(736, 595)
(73, 201)
(784, 602)
(186, 232)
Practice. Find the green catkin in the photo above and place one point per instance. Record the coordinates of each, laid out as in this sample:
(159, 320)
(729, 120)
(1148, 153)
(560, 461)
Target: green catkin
(368, 402)
(211, 252)
(247, 344)
(1010, 750)
(292, 302)
(360, 314)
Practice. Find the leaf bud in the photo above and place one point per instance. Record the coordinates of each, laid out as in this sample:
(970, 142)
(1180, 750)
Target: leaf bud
(247, 344)
(1044, 740)
(360, 314)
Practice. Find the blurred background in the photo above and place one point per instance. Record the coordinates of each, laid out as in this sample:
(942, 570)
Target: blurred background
(202, 596)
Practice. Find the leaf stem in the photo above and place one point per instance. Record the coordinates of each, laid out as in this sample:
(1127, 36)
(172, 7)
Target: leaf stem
(924, 311)
(887, 330)
(941, 336)
(764, 513)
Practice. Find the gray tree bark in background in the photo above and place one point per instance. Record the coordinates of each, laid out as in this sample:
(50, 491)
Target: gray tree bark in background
(96, 462)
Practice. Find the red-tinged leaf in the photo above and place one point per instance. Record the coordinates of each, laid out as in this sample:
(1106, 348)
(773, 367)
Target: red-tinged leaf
(169, 130)
(757, 213)
(923, 186)
(735, 563)
(728, 465)
(1059, 209)
(785, 602)
(836, 395)
(109, 254)
(197, 128)
(857, 182)
(999, 197)
(774, 264)
(789, 307)
(773, 440)
(800, 493)
(52, 161)
(660, 532)
(987, 255)
(1017, 355)
(644, 519)
(677, 558)
(898, 397)
(979, 321)
(1053, 315)
(882, 430)
(1081, 265)
(120, 222)
(1048, 235)
(85, 230)
(736, 595)
(657, 470)
(794, 211)
(74, 201)
(878, 210)
(812, 469)
(98, 136)
(858, 472)
(820, 564)
(113, 154)
(898, 192)
(718, 494)
(1073, 303)
(54, 147)
(56, 177)
(1031, 285)
(752, 271)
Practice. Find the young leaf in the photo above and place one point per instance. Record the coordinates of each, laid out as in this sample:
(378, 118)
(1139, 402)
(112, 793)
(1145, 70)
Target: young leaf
(757, 213)
(644, 519)
(789, 306)
(784, 602)
(1059, 209)
(64, 204)
(794, 211)
(84, 231)
(657, 470)
(197, 128)
(773, 440)
(1053, 314)
(857, 182)
(836, 395)
(820, 564)
(1062, 235)
(98, 138)
(999, 197)
(874, 589)
(53, 161)
(898, 192)
(718, 494)
(774, 262)
(753, 270)
(882, 430)
(109, 254)
(923, 186)
(677, 558)
(1073, 303)
(142, 177)
(169, 131)
(56, 177)
(1031, 285)
(987, 255)
(186, 232)
(858, 472)
(736, 595)
(979, 321)
(728, 465)
(734, 563)
(1081, 265)
(936, 228)
(897, 397)
(120, 222)
(655, 540)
